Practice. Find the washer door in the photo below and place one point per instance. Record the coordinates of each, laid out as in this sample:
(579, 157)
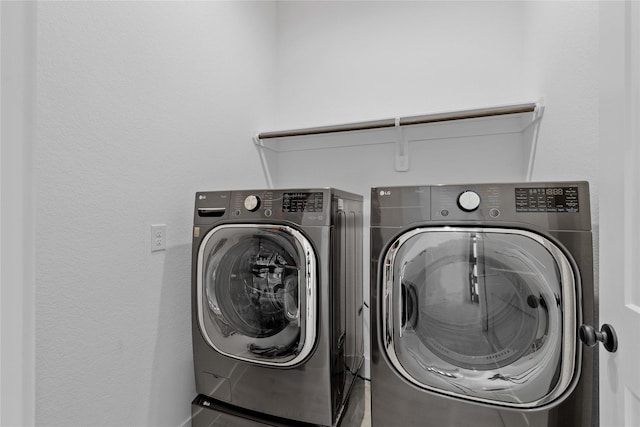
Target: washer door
(257, 293)
(481, 313)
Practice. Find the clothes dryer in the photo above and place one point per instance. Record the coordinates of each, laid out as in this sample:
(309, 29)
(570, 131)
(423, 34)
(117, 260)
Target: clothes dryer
(277, 301)
(478, 292)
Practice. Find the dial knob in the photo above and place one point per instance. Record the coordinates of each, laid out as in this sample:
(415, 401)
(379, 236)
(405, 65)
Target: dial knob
(252, 203)
(469, 201)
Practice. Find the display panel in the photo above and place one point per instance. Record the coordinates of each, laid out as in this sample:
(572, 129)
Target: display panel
(547, 199)
(302, 202)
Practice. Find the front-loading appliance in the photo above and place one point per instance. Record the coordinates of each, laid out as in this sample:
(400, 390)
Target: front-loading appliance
(478, 292)
(277, 303)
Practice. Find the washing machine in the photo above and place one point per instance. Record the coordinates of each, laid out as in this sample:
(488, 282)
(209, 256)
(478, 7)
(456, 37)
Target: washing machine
(478, 293)
(277, 303)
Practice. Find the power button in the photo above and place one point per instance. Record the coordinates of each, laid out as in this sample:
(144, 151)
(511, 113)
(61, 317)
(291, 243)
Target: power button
(468, 201)
(252, 203)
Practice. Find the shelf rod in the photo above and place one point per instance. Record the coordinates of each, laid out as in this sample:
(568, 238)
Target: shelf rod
(369, 125)
(403, 121)
(468, 114)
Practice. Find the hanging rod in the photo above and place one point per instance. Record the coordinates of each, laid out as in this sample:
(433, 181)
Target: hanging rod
(404, 121)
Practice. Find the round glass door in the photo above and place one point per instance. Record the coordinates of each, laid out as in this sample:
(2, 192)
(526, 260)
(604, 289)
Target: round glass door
(482, 314)
(256, 293)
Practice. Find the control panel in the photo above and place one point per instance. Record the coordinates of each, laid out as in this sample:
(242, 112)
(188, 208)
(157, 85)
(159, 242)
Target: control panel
(248, 202)
(554, 205)
(488, 201)
(312, 206)
(291, 205)
(302, 202)
(467, 202)
(547, 199)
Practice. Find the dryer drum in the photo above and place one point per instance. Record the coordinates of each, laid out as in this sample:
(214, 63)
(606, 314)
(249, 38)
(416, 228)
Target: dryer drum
(489, 332)
(479, 310)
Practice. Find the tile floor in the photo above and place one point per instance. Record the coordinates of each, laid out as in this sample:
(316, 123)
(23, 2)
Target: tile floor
(366, 421)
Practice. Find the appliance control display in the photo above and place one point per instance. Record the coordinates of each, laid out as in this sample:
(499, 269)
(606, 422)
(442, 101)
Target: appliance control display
(547, 199)
(302, 202)
(469, 201)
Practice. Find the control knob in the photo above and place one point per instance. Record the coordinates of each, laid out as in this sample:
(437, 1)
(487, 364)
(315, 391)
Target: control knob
(468, 201)
(252, 203)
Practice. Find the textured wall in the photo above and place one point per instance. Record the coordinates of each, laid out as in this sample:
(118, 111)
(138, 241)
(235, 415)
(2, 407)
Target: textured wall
(368, 60)
(562, 65)
(17, 91)
(139, 105)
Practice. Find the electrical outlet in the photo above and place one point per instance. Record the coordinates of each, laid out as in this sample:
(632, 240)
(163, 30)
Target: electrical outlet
(158, 237)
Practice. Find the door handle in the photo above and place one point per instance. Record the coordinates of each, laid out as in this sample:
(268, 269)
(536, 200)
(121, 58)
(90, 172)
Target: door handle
(607, 336)
(218, 212)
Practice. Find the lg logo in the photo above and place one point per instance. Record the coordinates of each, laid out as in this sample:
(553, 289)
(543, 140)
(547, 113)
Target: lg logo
(385, 193)
(201, 197)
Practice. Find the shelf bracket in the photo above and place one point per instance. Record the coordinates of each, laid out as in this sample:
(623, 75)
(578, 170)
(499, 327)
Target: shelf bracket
(532, 143)
(263, 160)
(525, 120)
(402, 149)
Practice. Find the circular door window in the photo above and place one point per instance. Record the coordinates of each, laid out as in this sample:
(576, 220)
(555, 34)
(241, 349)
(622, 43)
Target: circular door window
(482, 314)
(256, 293)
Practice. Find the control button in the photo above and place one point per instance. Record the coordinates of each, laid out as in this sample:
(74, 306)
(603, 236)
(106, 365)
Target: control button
(237, 212)
(469, 201)
(494, 213)
(268, 212)
(252, 203)
(444, 212)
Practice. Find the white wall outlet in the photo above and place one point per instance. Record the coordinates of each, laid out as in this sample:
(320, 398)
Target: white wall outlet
(158, 237)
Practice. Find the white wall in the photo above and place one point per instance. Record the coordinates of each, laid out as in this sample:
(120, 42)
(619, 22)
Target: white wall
(561, 41)
(139, 105)
(348, 61)
(17, 37)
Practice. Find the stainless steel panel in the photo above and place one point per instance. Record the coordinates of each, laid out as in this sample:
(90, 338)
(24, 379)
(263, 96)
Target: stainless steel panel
(400, 206)
(216, 386)
(406, 206)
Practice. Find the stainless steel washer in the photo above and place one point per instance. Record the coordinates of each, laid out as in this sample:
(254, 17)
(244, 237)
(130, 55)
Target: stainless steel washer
(477, 295)
(277, 302)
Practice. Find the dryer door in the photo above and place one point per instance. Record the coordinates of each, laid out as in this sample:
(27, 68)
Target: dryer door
(256, 293)
(482, 314)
